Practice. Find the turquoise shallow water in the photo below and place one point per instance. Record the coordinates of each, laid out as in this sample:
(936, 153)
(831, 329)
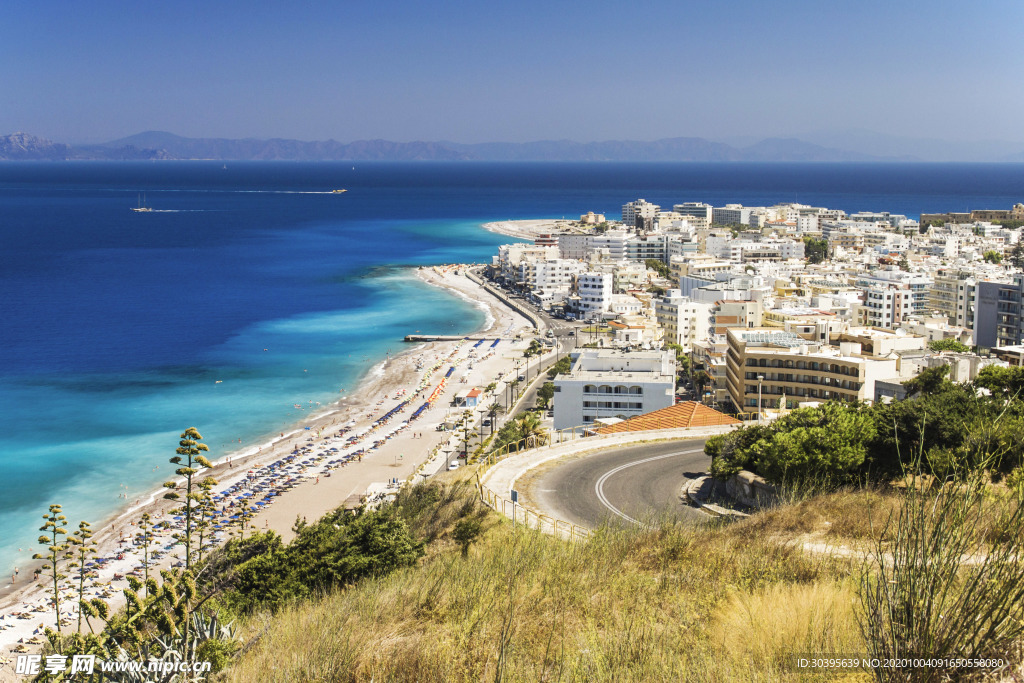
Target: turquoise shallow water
(115, 326)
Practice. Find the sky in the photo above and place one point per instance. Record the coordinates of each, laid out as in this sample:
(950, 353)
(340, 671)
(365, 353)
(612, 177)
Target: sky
(471, 71)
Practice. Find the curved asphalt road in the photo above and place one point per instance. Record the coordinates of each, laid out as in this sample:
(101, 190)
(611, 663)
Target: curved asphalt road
(631, 484)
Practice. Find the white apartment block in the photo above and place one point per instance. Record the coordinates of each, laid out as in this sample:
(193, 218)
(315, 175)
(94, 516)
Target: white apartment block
(611, 383)
(511, 255)
(649, 246)
(685, 322)
(918, 284)
(574, 246)
(641, 207)
(734, 214)
(885, 306)
(614, 241)
(595, 292)
(697, 210)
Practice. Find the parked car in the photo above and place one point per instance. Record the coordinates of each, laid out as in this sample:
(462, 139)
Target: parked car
(453, 465)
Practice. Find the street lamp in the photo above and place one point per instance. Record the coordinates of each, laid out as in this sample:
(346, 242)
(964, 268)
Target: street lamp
(760, 378)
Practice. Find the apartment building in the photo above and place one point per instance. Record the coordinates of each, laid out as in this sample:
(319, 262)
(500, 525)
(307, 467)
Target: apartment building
(613, 383)
(640, 207)
(998, 319)
(885, 307)
(699, 210)
(766, 367)
(595, 292)
(953, 294)
(683, 321)
(510, 256)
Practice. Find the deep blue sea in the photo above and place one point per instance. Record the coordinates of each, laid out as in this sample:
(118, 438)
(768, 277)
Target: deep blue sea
(115, 326)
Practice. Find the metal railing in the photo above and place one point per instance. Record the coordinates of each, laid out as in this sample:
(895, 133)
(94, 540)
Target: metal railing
(531, 519)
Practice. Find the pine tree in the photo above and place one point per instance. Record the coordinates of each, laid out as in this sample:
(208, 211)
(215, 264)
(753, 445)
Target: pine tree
(55, 539)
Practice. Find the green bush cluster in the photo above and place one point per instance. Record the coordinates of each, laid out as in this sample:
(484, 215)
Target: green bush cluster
(262, 571)
(957, 428)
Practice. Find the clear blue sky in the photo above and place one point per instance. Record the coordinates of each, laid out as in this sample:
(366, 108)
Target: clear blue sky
(472, 71)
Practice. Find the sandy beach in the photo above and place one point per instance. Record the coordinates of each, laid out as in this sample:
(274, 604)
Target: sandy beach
(527, 229)
(368, 443)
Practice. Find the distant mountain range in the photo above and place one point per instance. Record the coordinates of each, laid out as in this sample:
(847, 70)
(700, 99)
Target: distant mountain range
(160, 145)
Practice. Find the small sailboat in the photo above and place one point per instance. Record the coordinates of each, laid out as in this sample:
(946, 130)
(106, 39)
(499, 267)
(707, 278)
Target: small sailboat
(141, 208)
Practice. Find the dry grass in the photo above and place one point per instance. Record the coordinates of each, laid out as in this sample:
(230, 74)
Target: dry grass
(848, 515)
(675, 603)
(763, 628)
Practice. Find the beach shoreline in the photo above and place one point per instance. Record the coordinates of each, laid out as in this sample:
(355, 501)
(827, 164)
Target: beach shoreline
(390, 379)
(526, 229)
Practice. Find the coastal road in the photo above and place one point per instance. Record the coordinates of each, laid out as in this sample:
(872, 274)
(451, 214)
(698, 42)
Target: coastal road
(625, 485)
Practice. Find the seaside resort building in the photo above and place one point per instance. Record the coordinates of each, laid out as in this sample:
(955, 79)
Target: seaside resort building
(608, 383)
(780, 366)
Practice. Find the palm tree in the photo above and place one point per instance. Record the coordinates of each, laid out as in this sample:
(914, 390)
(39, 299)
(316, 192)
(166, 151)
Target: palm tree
(493, 412)
(531, 430)
(701, 379)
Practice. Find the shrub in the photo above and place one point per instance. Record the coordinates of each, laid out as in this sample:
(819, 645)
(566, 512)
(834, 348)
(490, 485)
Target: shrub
(936, 585)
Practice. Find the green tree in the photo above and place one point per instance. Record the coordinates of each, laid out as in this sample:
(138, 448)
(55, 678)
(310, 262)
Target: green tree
(656, 290)
(701, 379)
(493, 412)
(531, 431)
(660, 267)
(815, 250)
(535, 348)
(903, 264)
(993, 256)
(928, 381)
(465, 532)
(144, 538)
(54, 539)
(1002, 381)
(189, 459)
(561, 367)
(545, 394)
(206, 510)
(1017, 254)
(948, 345)
(83, 549)
(824, 444)
(245, 513)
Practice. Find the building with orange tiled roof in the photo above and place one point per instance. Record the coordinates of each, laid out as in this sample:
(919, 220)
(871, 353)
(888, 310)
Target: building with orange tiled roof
(680, 416)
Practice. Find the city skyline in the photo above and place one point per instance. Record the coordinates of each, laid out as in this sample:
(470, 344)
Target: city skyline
(518, 72)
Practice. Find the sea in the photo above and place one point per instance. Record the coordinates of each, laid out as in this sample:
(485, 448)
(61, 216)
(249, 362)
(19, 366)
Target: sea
(252, 295)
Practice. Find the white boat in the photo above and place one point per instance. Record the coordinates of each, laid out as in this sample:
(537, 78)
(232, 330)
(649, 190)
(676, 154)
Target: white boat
(141, 208)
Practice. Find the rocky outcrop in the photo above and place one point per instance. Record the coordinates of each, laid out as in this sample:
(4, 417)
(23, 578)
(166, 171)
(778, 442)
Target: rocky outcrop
(25, 147)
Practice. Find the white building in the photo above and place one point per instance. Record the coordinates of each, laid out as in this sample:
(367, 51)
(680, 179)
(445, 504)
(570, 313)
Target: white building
(511, 255)
(640, 207)
(595, 292)
(649, 246)
(698, 210)
(610, 383)
(885, 306)
(684, 321)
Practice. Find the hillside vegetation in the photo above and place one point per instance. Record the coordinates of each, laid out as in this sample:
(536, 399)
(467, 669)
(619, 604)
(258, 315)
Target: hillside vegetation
(669, 603)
